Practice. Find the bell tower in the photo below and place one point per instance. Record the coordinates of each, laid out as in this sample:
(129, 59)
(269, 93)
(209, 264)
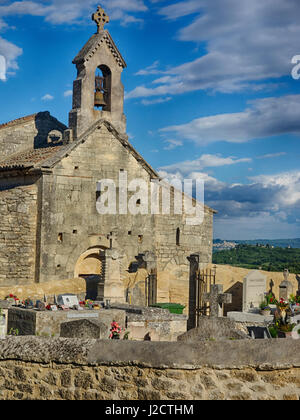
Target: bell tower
(98, 91)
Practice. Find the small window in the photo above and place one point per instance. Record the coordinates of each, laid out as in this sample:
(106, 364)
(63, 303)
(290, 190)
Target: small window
(140, 239)
(178, 237)
(76, 167)
(129, 232)
(60, 237)
(74, 231)
(138, 202)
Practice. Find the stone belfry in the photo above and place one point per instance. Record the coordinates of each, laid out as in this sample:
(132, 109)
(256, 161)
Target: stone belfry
(98, 92)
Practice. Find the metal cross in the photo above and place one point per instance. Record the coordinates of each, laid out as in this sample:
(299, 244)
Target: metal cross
(215, 298)
(101, 18)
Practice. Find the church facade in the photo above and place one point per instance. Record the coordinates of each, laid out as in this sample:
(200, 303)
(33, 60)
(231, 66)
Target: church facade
(50, 228)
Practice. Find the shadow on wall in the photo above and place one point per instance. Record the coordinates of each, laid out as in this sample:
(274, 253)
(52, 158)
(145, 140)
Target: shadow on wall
(49, 131)
(237, 298)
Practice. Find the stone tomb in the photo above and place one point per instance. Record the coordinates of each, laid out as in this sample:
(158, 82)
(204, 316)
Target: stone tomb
(48, 323)
(84, 329)
(216, 329)
(153, 324)
(254, 289)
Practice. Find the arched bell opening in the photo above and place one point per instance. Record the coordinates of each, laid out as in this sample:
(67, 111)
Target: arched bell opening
(102, 96)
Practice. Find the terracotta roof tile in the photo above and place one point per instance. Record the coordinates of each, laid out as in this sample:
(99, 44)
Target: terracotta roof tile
(29, 158)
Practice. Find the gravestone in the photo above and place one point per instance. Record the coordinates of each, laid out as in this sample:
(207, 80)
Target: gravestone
(216, 299)
(67, 300)
(113, 285)
(254, 288)
(3, 325)
(84, 328)
(285, 287)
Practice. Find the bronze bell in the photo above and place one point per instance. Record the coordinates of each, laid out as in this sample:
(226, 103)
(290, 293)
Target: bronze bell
(99, 99)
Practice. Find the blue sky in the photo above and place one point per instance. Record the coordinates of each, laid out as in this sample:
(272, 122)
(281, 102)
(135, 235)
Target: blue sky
(209, 93)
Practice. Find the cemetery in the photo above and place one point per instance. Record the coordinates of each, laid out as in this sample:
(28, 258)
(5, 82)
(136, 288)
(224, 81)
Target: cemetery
(151, 322)
(66, 347)
(263, 316)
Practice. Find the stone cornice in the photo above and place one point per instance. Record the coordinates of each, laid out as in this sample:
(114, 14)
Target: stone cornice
(94, 43)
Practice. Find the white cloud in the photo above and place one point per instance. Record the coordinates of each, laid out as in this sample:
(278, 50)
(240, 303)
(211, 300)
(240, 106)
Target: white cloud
(172, 144)
(147, 102)
(205, 161)
(70, 11)
(247, 44)
(268, 205)
(153, 69)
(47, 97)
(68, 93)
(256, 227)
(11, 52)
(289, 182)
(263, 118)
(271, 155)
(59, 12)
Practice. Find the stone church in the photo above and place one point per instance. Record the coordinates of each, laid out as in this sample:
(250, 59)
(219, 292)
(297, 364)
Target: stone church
(50, 229)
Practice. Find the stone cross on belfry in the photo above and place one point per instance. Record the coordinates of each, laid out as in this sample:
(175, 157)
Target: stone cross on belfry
(101, 18)
(216, 297)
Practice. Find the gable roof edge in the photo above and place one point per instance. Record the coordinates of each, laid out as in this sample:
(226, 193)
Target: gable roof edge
(123, 139)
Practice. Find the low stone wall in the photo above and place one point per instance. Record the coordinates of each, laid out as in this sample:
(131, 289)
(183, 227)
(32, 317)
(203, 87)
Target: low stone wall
(36, 368)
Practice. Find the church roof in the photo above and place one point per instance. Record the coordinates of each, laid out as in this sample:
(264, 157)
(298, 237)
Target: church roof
(94, 43)
(28, 158)
(47, 157)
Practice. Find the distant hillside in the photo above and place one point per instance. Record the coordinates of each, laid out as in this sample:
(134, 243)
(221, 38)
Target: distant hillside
(260, 257)
(281, 243)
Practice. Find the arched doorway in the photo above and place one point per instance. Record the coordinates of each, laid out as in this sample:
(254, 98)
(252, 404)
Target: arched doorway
(90, 266)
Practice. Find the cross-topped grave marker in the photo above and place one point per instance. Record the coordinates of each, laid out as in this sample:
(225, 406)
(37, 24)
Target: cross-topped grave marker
(112, 238)
(101, 18)
(215, 298)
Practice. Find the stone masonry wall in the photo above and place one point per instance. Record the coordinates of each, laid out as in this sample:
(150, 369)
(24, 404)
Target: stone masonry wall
(28, 132)
(18, 214)
(64, 369)
(69, 207)
(71, 224)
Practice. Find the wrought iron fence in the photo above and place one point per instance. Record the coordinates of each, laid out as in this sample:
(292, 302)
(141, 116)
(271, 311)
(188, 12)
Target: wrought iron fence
(204, 279)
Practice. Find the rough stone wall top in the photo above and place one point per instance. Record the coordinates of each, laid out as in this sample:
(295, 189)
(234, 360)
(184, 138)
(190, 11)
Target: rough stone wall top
(30, 132)
(262, 354)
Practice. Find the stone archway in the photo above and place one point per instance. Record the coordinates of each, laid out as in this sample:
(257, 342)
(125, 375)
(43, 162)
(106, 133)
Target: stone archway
(90, 267)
